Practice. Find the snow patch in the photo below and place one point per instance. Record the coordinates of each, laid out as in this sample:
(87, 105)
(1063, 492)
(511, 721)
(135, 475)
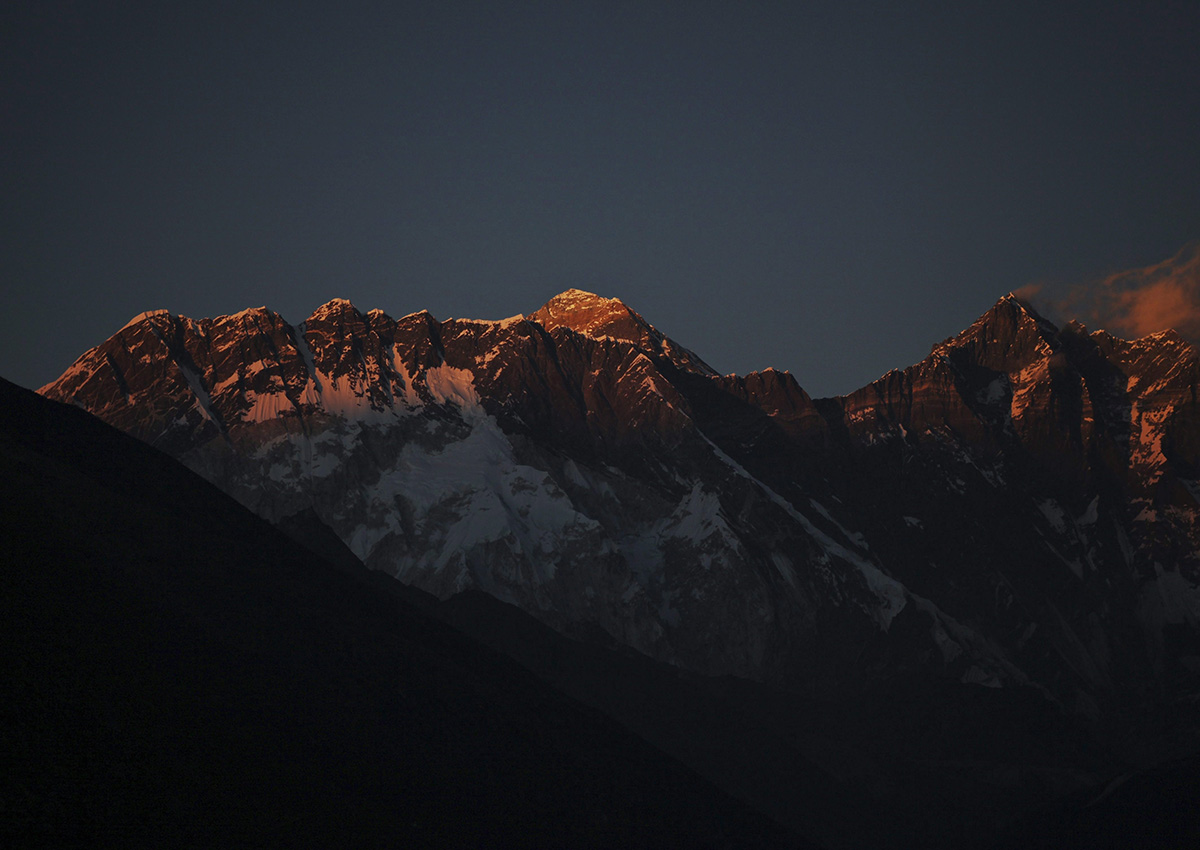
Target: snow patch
(203, 402)
(473, 492)
(310, 366)
(450, 385)
(892, 595)
(978, 676)
(994, 392)
(699, 516)
(571, 470)
(267, 406)
(1054, 514)
(785, 567)
(495, 323)
(1179, 600)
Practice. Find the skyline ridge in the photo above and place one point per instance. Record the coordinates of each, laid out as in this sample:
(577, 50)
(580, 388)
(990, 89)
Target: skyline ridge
(1024, 302)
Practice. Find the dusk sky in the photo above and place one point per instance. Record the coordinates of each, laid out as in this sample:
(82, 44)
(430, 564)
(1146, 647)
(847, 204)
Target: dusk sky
(824, 188)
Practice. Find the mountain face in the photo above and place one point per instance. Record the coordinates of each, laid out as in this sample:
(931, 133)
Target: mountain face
(177, 672)
(1019, 508)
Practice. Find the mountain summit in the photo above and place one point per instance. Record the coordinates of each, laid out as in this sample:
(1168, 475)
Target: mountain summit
(591, 315)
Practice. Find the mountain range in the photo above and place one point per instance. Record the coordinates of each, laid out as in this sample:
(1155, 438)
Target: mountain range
(985, 564)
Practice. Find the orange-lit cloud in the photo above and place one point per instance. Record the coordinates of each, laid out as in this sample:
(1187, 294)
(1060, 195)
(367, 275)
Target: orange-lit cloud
(1143, 301)
(1028, 292)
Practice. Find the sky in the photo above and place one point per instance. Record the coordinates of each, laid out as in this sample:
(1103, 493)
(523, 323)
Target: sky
(824, 188)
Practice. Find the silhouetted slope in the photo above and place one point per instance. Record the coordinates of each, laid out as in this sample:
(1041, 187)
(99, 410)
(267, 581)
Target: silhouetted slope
(177, 671)
(1151, 809)
(933, 764)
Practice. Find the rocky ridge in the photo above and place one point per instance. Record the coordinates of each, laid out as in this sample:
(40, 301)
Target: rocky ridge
(1018, 508)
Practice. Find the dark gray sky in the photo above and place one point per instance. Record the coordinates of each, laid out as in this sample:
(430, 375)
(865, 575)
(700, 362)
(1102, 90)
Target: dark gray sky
(826, 188)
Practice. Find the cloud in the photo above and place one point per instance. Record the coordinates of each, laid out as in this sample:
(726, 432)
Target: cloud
(1028, 292)
(1137, 302)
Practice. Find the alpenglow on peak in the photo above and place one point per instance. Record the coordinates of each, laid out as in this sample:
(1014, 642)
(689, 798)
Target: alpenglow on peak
(598, 317)
(588, 313)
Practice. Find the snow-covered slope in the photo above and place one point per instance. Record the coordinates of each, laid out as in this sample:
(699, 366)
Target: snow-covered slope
(1020, 506)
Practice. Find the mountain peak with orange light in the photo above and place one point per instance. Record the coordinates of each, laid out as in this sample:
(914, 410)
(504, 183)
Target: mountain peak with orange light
(591, 314)
(610, 318)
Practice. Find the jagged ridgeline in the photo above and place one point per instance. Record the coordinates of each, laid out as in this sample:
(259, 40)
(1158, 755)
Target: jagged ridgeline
(1017, 508)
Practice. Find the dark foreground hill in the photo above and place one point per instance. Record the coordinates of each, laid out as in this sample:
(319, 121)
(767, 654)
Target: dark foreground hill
(178, 672)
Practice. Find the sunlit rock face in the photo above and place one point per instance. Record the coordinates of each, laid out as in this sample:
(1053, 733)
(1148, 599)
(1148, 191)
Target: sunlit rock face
(1018, 507)
(609, 318)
